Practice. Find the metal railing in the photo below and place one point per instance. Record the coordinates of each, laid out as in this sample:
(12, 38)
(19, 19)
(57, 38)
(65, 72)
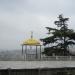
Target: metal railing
(58, 58)
(33, 57)
(51, 58)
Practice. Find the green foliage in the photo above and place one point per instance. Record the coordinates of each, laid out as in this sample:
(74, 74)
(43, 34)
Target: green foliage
(60, 39)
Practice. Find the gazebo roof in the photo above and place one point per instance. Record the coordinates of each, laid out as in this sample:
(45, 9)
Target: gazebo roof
(31, 41)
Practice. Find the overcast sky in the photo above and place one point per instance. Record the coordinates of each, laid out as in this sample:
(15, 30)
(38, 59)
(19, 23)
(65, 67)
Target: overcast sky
(19, 17)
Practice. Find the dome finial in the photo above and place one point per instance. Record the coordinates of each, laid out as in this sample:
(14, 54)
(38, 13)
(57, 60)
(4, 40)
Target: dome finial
(31, 34)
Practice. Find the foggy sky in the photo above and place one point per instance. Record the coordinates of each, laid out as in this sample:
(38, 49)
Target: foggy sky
(19, 17)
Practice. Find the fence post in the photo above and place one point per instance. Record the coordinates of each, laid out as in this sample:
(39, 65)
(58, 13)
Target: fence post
(56, 57)
(70, 58)
(9, 71)
(39, 70)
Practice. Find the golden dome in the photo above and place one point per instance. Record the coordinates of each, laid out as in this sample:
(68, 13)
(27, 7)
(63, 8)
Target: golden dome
(31, 41)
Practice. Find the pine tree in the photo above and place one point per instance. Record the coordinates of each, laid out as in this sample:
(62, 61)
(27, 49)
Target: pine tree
(60, 39)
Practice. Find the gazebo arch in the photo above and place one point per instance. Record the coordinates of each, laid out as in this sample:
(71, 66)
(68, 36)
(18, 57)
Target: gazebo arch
(30, 42)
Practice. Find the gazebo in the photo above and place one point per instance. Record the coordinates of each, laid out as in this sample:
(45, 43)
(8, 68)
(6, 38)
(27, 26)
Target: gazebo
(30, 42)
